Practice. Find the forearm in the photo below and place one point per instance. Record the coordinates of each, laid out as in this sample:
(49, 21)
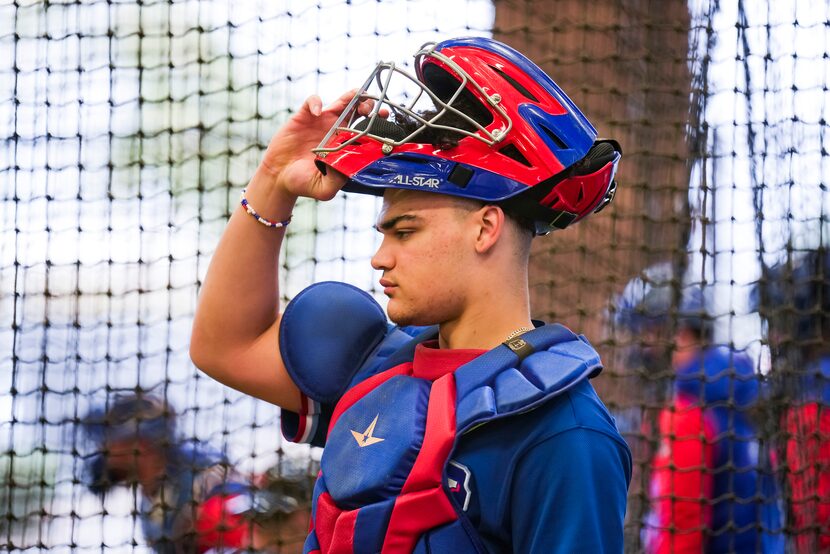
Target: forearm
(236, 329)
(238, 311)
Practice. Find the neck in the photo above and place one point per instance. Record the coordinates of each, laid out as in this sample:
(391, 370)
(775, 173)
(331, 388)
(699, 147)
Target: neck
(151, 471)
(488, 323)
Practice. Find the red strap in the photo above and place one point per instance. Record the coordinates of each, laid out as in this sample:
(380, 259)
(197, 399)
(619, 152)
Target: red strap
(423, 504)
(364, 387)
(334, 527)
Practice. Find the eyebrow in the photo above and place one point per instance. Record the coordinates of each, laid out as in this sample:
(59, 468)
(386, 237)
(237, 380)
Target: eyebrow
(390, 223)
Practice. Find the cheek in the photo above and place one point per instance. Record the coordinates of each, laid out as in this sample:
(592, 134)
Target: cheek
(434, 279)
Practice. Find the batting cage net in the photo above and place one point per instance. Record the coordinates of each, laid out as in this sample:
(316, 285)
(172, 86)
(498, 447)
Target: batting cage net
(129, 128)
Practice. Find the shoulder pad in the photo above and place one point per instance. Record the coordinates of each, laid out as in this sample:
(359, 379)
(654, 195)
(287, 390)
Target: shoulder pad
(396, 347)
(326, 333)
(523, 373)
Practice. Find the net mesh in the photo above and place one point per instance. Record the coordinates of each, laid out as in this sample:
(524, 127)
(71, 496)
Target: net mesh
(129, 128)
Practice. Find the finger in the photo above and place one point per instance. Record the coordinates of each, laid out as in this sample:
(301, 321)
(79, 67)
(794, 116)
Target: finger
(366, 107)
(313, 104)
(340, 104)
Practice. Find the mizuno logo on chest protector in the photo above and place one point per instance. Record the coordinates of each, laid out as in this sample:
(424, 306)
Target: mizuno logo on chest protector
(365, 438)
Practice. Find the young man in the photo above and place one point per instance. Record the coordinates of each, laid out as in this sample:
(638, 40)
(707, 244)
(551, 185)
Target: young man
(481, 434)
(710, 487)
(187, 491)
(795, 302)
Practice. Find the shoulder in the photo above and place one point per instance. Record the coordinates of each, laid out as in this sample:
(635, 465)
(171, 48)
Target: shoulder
(577, 414)
(577, 408)
(569, 482)
(320, 352)
(527, 467)
(572, 437)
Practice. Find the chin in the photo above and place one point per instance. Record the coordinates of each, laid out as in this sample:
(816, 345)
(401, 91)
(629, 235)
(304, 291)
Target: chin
(404, 316)
(403, 320)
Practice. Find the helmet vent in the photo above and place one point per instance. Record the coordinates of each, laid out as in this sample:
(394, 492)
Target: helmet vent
(558, 141)
(444, 85)
(515, 84)
(513, 153)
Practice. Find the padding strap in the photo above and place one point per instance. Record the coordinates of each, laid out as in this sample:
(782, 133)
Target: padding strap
(326, 334)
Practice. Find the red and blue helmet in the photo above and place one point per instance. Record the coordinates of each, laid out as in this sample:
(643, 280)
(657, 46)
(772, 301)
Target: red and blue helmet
(477, 120)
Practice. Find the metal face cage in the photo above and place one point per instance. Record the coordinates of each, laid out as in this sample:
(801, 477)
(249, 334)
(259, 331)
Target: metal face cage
(379, 88)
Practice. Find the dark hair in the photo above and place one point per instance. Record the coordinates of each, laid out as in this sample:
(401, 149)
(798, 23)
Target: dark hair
(127, 417)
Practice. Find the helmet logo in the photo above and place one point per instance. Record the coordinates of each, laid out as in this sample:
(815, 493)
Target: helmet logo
(416, 181)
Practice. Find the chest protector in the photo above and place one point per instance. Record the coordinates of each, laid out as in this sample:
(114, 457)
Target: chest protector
(383, 472)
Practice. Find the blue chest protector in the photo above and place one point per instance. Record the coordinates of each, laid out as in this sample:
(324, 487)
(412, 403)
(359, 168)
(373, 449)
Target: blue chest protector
(383, 472)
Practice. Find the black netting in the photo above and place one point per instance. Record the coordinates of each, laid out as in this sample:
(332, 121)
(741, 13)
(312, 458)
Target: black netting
(128, 130)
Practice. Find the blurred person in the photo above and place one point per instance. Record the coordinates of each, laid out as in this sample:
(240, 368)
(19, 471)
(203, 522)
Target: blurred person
(710, 488)
(794, 299)
(482, 433)
(280, 510)
(185, 487)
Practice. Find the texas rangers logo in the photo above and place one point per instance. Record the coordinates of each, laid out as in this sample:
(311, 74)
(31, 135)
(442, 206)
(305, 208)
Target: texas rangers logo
(365, 438)
(458, 483)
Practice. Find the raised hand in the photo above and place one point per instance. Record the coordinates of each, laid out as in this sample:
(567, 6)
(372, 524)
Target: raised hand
(289, 159)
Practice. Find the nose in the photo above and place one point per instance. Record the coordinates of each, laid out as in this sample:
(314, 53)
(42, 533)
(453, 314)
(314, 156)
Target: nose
(383, 259)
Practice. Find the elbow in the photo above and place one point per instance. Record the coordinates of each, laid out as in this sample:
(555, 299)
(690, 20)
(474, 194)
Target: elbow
(201, 353)
(197, 355)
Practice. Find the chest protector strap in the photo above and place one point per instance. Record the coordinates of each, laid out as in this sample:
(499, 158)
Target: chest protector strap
(381, 487)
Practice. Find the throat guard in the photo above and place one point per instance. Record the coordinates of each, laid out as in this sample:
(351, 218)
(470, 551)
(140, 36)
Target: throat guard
(382, 486)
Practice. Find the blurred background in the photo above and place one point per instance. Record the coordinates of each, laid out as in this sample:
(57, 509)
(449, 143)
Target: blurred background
(127, 130)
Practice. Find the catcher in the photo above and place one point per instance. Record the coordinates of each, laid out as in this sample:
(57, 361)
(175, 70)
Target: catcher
(477, 431)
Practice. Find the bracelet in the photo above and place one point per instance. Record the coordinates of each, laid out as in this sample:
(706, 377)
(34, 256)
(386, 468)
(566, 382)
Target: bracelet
(252, 213)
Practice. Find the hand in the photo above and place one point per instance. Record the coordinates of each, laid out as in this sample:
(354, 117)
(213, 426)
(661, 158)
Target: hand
(289, 159)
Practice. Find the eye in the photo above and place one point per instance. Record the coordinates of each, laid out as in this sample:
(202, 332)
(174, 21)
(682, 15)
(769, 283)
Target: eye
(403, 234)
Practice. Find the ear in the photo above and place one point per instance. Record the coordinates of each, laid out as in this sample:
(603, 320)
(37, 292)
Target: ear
(491, 224)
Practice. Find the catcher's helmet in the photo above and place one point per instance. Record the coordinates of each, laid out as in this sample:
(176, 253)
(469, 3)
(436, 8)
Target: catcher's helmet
(649, 300)
(508, 135)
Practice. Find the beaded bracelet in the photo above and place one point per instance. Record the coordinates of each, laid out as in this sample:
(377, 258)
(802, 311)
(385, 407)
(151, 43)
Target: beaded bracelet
(252, 212)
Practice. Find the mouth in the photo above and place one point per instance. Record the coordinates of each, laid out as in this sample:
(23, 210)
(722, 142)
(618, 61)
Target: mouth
(388, 286)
